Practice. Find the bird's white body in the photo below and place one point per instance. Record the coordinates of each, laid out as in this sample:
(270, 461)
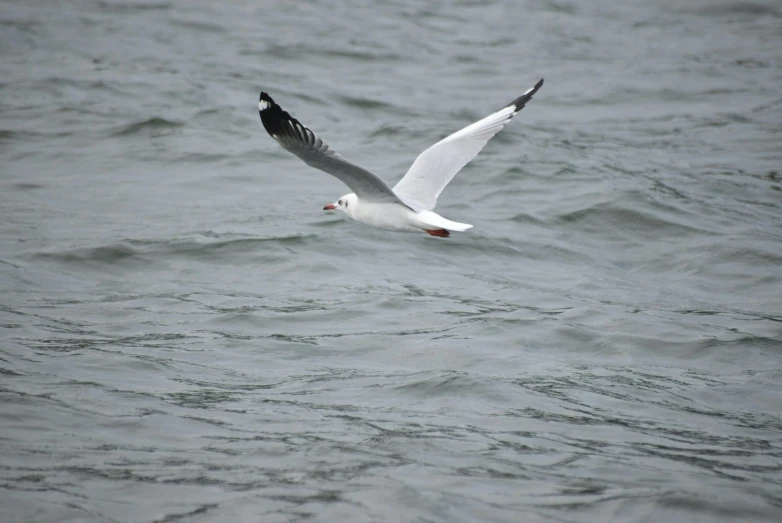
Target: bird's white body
(408, 207)
(395, 217)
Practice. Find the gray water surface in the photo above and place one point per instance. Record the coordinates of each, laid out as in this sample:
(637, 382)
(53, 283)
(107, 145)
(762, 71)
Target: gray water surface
(186, 336)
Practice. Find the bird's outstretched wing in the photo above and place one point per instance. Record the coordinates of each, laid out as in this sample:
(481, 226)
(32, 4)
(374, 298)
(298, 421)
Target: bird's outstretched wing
(437, 165)
(302, 142)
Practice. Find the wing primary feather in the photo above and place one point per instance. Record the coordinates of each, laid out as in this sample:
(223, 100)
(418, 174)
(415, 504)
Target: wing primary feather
(522, 100)
(295, 137)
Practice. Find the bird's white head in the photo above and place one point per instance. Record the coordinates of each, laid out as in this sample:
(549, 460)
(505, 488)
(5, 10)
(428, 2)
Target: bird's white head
(346, 204)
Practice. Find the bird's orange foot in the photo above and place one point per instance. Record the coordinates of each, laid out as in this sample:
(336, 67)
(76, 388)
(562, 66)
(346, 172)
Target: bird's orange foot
(442, 233)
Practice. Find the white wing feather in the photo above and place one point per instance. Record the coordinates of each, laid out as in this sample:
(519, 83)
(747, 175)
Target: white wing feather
(437, 165)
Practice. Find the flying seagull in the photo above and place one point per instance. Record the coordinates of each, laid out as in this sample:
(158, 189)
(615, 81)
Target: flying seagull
(408, 206)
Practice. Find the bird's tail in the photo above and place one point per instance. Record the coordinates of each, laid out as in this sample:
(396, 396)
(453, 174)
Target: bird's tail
(435, 221)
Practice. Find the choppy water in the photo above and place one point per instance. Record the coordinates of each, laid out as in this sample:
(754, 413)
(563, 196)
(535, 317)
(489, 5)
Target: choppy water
(186, 336)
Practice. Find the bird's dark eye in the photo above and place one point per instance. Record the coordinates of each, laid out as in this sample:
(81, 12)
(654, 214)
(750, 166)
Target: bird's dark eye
(340, 202)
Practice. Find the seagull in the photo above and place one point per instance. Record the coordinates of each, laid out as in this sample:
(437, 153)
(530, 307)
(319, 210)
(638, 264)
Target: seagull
(408, 206)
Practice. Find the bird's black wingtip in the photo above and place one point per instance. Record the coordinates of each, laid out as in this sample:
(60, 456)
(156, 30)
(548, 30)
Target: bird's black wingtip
(265, 101)
(279, 123)
(519, 103)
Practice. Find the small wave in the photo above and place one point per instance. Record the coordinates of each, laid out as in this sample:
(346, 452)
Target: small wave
(23, 186)
(451, 384)
(125, 7)
(606, 217)
(389, 130)
(146, 253)
(527, 219)
(8, 136)
(202, 158)
(156, 126)
(199, 25)
(351, 53)
(104, 254)
(732, 8)
(219, 248)
(364, 103)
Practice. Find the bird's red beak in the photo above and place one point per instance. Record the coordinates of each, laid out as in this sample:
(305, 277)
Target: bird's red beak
(330, 207)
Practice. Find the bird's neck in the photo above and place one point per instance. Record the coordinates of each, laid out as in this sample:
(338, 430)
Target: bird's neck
(353, 204)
